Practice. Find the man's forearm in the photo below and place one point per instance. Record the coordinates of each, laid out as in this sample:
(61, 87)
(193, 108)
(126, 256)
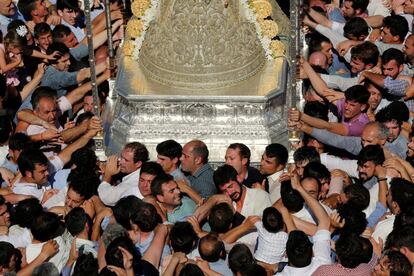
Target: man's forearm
(71, 134)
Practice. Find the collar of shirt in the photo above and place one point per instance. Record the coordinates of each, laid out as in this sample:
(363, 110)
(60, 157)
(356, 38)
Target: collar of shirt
(200, 171)
(274, 177)
(131, 175)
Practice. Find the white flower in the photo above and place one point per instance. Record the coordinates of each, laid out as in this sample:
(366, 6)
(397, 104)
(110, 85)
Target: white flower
(22, 30)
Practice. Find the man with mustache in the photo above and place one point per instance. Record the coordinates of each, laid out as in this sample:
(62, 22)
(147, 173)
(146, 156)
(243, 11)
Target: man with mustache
(246, 201)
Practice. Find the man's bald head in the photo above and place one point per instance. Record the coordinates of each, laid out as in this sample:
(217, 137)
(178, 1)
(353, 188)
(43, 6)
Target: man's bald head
(319, 59)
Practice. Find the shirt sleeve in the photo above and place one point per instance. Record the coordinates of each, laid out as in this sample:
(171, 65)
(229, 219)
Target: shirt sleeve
(64, 104)
(334, 36)
(333, 162)
(350, 143)
(338, 82)
(110, 194)
(375, 216)
(322, 246)
(338, 27)
(395, 87)
(79, 52)
(55, 164)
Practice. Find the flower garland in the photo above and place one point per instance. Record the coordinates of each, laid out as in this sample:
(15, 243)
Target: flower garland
(257, 12)
(144, 12)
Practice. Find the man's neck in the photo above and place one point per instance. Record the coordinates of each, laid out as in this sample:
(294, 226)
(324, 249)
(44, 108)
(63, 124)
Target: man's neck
(27, 180)
(169, 208)
(173, 169)
(242, 175)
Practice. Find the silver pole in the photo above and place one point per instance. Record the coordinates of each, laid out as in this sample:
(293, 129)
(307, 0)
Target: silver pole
(294, 86)
(99, 145)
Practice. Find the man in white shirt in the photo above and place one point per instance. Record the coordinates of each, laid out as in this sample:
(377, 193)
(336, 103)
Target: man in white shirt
(303, 257)
(246, 201)
(273, 163)
(133, 156)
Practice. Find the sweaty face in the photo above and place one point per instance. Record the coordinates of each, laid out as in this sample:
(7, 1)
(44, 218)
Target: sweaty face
(47, 110)
(63, 63)
(144, 184)
(188, 162)
(268, 165)
(68, 15)
(393, 129)
(7, 8)
(347, 9)
(88, 104)
(73, 199)
(352, 109)
(232, 189)
(326, 49)
(357, 65)
(366, 170)
(4, 216)
(40, 174)
(44, 40)
(409, 48)
(126, 163)
(387, 37)
(375, 97)
(234, 159)
(391, 69)
(167, 164)
(171, 194)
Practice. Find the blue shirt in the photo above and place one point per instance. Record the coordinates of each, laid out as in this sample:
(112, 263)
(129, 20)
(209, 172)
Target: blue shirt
(183, 211)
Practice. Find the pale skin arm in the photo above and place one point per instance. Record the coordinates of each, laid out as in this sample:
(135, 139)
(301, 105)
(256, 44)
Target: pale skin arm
(4, 66)
(320, 19)
(85, 73)
(247, 226)
(307, 227)
(185, 188)
(374, 21)
(37, 77)
(153, 253)
(48, 250)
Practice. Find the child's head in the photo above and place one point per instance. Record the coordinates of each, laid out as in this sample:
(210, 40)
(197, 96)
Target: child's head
(272, 220)
(21, 28)
(15, 42)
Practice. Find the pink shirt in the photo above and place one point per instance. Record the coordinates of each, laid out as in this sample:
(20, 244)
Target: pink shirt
(355, 125)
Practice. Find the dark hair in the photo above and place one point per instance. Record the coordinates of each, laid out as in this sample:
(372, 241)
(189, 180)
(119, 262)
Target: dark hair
(200, 150)
(315, 41)
(402, 192)
(5, 129)
(159, 180)
(26, 7)
(277, 151)
(190, 269)
(393, 54)
(316, 170)
(404, 218)
(124, 209)
(2, 200)
(291, 198)
(75, 221)
(12, 38)
(6, 253)
(170, 148)
(224, 174)
(68, 4)
(211, 248)
(398, 263)
(253, 269)
(57, 46)
(41, 28)
(42, 92)
(401, 237)
(357, 93)
(83, 117)
(357, 27)
(349, 249)
(140, 151)
(86, 264)
(220, 218)
(19, 141)
(355, 219)
(306, 153)
(398, 26)
(239, 256)
(25, 211)
(85, 160)
(152, 168)
(272, 220)
(84, 183)
(244, 151)
(29, 158)
(44, 226)
(146, 217)
(298, 249)
(60, 32)
(359, 4)
(316, 109)
(113, 255)
(358, 196)
(366, 52)
(373, 153)
(183, 238)
(395, 111)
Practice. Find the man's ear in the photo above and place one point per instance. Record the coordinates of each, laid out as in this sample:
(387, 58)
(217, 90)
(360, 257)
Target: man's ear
(60, 13)
(400, 68)
(245, 161)
(198, 160)
(160, 198)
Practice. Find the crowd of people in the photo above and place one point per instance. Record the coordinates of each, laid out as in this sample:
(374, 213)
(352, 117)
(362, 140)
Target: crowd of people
(345, 207)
